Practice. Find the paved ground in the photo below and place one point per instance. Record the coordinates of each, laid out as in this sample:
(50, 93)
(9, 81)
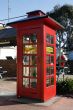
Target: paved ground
(8, 85)
(8, 100)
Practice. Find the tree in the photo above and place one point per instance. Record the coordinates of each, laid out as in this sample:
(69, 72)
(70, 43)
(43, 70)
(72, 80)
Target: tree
(64, 15)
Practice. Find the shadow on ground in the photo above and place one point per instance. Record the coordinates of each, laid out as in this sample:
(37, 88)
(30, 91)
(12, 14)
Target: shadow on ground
(7, 100)
(13, 100)
(10, 79)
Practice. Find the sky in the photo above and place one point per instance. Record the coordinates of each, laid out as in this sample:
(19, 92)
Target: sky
(21, 7)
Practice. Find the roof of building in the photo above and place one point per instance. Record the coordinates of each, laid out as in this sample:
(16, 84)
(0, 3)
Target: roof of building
(7, 33)
(7, 37)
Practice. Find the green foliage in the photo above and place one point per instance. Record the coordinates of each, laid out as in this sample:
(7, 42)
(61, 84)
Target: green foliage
(65, 87)
(61, 14)
(64, 15)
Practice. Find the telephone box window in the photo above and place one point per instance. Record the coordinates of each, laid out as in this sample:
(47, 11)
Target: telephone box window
(33, 83)
(25, 71)
(30, 60)
(49, 59)
(50, 49)
(25, 39)
(48, 82)
(26, 82)
(33, 71)
(33, 60)
(52, 59)
(50, 39)
(30, 49)
(33, 38)
(52, 70)
(25, 60)
(52, 80)
(48, 71)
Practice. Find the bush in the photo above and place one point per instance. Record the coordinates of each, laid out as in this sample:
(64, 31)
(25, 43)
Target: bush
(65, 87)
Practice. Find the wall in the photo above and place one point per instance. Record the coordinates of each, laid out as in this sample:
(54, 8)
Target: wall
(9, 66)
(8, 51)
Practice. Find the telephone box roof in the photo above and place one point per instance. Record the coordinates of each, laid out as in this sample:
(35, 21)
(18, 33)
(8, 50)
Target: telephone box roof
(38, 14)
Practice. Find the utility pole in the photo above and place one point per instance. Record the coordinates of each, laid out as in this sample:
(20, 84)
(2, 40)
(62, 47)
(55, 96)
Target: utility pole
(8, 10)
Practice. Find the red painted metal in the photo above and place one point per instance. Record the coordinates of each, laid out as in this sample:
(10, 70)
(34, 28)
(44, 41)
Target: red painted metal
(51, 90)
(41, 27)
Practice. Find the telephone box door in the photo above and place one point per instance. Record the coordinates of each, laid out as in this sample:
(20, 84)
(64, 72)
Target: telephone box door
(50, 56)
(30, 70)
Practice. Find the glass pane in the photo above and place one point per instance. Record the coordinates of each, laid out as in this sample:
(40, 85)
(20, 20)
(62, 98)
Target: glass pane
(30, 49)
(25, 39)
(48, 71)
(52, 70)
(50, 50)
(25, 71)
(48, 59)
(33, 38)
(33, 59)
(33, 71)
(26, 60)
(52, 80)
(48, 38)
(26, 82)
(47, 82)
(51, 40)
(33, 83)
(52, 59)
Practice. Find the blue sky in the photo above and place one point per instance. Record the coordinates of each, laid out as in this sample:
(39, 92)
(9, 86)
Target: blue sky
(20, 7)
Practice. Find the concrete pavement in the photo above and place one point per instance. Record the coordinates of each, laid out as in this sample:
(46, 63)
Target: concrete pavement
(9, 101)
(64, 103)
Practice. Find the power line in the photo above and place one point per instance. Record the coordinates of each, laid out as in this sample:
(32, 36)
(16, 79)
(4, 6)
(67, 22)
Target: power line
(12, 18)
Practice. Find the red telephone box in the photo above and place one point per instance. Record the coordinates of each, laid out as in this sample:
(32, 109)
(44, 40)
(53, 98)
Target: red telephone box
(36, 55)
